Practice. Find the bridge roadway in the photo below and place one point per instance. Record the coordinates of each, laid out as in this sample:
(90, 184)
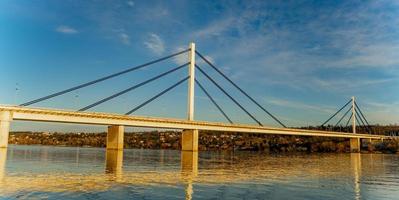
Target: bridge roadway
(97, 118)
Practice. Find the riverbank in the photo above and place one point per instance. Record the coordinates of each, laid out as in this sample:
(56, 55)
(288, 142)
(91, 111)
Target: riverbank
(207, 141)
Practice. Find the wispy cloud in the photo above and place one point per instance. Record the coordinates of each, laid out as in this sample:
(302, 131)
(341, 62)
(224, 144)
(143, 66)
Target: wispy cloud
(349, 84)
(299, 105)
(130, 3)
(381, 112)
(66, 29)
(216, 28)
(374, 55)
(182, 58)
(125, 39)
(208, 57)
(271, 46)
(155, 44)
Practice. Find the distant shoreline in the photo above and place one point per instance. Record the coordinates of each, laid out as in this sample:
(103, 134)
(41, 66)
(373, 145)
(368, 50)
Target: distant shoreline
(208, 141)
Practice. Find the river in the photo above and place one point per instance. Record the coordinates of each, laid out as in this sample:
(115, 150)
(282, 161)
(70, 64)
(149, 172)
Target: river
(46, 172)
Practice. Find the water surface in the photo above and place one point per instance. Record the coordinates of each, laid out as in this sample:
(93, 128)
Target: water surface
(37, 172)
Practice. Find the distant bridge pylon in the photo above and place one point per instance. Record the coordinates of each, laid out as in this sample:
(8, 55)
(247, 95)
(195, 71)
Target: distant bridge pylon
(356, 117)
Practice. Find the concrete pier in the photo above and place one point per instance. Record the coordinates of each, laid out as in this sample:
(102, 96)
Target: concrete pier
(189, 140)
(355, 144)
(115, 137)
(5, 120)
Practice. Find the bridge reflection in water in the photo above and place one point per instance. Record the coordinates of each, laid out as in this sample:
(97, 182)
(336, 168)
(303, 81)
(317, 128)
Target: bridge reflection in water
(113, 166)
(220, 169)
(189, 170)
(3, 159)
(356, 163)
(189, 167)
(114, 161)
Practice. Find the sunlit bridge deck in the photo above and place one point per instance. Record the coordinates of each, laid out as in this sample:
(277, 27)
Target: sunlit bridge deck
(97, 118)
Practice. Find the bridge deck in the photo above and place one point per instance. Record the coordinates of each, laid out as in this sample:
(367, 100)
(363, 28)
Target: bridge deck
(67, 116)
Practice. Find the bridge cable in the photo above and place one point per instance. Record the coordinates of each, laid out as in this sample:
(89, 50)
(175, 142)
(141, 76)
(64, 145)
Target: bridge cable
(133, 87)
(242, 91)
(158, 95)
(343, 116)
(358, 116)
(357, 120)
(102, 79)
(213, 101)
(336, 113)
(362, 114)
(224, 91)
(348, 121)
(361, 123)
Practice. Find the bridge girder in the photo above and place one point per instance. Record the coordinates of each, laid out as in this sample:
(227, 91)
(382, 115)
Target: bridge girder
(96, 118)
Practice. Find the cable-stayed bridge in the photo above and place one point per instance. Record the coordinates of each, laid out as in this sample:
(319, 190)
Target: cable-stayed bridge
(190, 127)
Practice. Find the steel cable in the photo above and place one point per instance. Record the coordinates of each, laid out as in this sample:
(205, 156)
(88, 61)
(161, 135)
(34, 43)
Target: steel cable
(224, 91)
(213, 101)
(236, 86)
(133, 87)
(102, 79)
(156, 96)
(343, 116)
(362, 114)
(336, 113)
(348, 120)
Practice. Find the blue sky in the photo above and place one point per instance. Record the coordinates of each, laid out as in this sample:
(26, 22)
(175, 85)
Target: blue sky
(300, 59)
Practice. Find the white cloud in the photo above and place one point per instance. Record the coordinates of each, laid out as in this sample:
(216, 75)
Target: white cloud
(125, 39)
(373, 55)
(182, 58)
(300, 105)
(340, 84)
(66, 29)
(130, 3)
(202, 62)
(282, 52)
(155, 44)
(381, 112)
(216, 28)
(209, 58)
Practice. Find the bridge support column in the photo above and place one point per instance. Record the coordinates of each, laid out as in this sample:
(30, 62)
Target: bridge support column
(115, 137)
(189, 140)
(5, 119)
(355, 144)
